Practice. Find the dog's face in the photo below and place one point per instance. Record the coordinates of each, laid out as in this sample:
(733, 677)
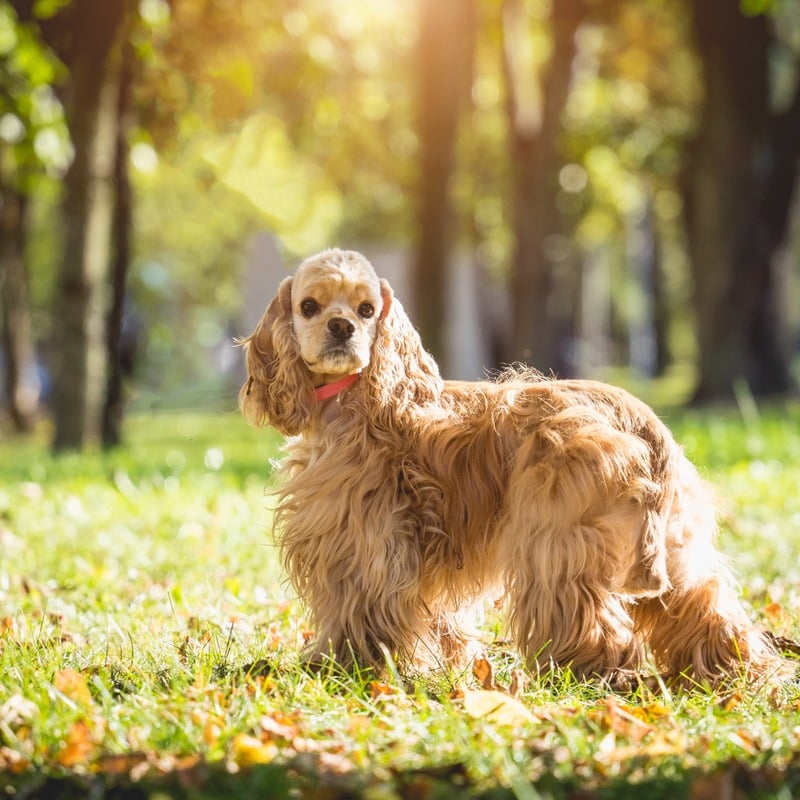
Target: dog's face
(337, 302)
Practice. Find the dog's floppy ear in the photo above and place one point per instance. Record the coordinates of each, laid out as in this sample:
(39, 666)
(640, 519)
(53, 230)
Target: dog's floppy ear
(387, 296)
(400, 374)
(279, 389)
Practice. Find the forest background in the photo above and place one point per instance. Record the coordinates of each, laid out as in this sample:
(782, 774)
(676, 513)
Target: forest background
(622, 173)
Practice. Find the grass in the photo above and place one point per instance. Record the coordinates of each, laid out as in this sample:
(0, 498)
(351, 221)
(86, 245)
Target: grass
(148, 645)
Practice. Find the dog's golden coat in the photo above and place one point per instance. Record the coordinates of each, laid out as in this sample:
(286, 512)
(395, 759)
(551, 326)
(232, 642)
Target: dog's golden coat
(407, 499)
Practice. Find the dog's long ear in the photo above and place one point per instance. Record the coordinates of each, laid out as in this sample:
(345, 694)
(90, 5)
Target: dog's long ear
(400, 373)
(279, 389)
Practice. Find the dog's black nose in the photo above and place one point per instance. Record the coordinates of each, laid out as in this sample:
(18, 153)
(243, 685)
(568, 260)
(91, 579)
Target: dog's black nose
(341, 328)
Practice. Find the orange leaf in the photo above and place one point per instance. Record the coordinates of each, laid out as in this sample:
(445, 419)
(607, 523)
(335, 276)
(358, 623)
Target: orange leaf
(773, 612)
(12, 761)
(378, 689)
(730, 702)
(121, 763)
(743, 739)
(212, 730)
(278, 726)
(73, 685)
(482, 669)
(625, 720)
(78, 747)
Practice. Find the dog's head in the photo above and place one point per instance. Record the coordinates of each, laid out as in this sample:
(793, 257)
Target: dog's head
(333, 320)
(337, 304)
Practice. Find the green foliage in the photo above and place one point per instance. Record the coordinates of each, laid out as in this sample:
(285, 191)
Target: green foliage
(147, 640)
(752, 8)
(31, 119)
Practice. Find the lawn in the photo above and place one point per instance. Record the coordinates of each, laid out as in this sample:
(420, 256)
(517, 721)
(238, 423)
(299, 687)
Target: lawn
(148, 647)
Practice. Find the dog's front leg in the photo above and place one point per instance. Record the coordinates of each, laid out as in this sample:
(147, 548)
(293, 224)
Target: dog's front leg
(361, 583)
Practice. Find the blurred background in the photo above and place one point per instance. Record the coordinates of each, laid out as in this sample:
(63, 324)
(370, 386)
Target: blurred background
(599, 188)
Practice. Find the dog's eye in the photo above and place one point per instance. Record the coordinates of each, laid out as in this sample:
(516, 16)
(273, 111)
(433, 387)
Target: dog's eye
(309, 307)
(366, 310)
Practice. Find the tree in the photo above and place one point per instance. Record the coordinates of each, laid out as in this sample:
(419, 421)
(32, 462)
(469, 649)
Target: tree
(16, 332)
(122, 229)
(26, 69)
(444, 75)
(87, 38)
(740, 184)
(534, 130)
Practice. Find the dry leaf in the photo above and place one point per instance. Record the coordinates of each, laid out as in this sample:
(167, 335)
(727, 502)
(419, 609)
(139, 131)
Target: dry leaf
(336, 762)
(17, 711)
(743, 739)
(730, 702)
(378, 689)
(497, 707)
(13, 762)
(78, 748)
(518, 683)
(248, 750)
(73, 685)
(482, 669)
(121, 763)
(773, 612)
(277, 725)
(212, 730)
(626, 721)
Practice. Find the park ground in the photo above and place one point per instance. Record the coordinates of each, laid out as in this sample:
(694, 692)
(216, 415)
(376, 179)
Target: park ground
(148, 646)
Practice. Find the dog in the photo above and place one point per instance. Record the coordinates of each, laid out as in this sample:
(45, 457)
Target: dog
(406, 500)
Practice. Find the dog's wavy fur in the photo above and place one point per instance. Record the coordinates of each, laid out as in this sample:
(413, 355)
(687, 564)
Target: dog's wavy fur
(408, 499)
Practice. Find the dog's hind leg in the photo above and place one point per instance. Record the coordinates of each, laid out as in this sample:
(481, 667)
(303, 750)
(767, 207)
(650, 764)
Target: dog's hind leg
(562, 613)
(698, 624)
(700, 628)
(579, 542)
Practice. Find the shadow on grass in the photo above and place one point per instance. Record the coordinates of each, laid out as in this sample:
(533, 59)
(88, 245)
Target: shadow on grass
(204, 781)
(275, 782)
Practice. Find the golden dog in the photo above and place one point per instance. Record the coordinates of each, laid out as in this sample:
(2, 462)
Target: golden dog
(407, 500)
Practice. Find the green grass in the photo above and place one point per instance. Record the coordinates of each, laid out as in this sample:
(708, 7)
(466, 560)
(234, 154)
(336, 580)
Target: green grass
(148, 645)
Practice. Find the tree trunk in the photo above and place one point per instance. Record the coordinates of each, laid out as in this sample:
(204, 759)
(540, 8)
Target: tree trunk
(20, 362)
(446, 44)
(81, 304)
(534, 127)
(114, 404)
(739, 190)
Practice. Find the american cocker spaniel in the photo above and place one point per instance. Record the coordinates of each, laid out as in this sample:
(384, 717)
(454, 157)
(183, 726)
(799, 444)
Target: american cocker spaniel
(407, 500)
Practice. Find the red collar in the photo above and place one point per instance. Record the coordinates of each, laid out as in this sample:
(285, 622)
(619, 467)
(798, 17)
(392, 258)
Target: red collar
(328, 390)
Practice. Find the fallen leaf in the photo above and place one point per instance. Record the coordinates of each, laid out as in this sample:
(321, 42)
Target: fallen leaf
(17, 711)
(73, 685)
(483, 670)
(497, 707)
(78, 747)
(246, 750)
(519, 680)
(731, 701)
(121, 763)
(13, 762)
(336, 762)
(212, 730)
(625, 720)
(378, 689)
(774, 612)
(745, 741)
(277, 725)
